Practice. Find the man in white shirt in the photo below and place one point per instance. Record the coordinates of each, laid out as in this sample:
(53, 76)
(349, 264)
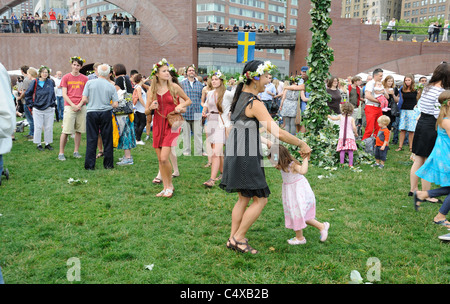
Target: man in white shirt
(390, 29)
(372, 108)
(59, 96)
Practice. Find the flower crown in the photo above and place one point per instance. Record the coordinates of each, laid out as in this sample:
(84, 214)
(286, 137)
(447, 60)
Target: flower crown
(218, 74)
(267, 66)
(78, 58)
(445, 102)
(156, 66)
(44, 67)
(174, 70)
(295, 78)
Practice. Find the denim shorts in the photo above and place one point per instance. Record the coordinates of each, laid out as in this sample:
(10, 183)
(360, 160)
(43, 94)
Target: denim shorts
(381, 155)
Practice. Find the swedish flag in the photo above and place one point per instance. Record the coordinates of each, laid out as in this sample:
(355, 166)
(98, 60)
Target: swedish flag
(246, 46)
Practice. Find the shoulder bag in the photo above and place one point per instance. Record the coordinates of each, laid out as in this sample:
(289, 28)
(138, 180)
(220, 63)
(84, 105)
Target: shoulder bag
(125, 101)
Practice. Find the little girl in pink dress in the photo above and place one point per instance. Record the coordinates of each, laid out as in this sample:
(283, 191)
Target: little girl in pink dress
(299, 202)
(347, 131)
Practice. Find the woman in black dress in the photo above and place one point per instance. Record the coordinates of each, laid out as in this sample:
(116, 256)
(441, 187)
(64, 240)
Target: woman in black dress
(243, 171)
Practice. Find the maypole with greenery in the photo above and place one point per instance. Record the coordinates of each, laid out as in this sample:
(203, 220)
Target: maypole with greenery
(321, 135)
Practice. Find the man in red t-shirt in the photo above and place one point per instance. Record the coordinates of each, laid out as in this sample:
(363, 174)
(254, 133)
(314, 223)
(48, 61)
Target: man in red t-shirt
(74, 109)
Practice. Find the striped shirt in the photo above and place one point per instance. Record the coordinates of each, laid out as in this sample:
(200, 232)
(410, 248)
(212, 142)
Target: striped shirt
(428, 102)
(194, 92)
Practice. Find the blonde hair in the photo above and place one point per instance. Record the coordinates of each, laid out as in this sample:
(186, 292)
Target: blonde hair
(444, 97)
(155, 83)
(33, 73)
(386, 80)
(385, 120)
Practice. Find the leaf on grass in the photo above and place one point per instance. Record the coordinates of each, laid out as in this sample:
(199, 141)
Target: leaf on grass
(149, 267)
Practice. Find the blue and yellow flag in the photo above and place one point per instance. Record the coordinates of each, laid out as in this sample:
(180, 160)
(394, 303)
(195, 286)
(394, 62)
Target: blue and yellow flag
(246, 46)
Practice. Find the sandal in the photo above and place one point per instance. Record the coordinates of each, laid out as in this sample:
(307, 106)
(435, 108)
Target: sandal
(100, 154)
(416, 199)
(230, 246)
(443, 223)
(156, 180)
(168, 193)
(173, 175)
(218, 178)
(399, 149)
(208, 165)
(433, 202)
(208, 183)
(247, 249)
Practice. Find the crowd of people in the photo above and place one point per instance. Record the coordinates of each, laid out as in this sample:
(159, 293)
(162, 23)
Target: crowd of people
(246, 28)
(113, 108)
(53, 23)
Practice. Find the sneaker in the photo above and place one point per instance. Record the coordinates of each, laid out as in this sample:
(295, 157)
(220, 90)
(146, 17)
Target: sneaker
(147, 137)
(375, 165)
(140, 143)
(445, 237)
(30, 136)
(122, 158)
(61, 157)
(381, 167)
(76, 155)
(324, 232)
(39, 147)
(295, 241)
(48, 147)
(125, 161)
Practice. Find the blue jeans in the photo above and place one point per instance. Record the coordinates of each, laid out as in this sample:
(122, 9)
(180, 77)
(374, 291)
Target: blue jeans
(29, 118)
(60, 107)
(99, 29)
(441, 192)
(1, 165)
(1, 277)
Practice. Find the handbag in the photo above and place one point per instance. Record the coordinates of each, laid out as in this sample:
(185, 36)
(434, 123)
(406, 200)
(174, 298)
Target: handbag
(125, 106)
(394, 108)
(175, 120)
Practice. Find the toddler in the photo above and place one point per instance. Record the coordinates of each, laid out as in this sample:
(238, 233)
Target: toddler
(346, 143)
(382, 141)
(299, 202)
(378, 91)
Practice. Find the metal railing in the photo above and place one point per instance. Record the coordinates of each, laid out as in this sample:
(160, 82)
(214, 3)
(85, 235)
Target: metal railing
(414, 33)
(67, 26)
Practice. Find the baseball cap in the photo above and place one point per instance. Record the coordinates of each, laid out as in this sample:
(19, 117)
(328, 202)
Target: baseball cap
(304, 69)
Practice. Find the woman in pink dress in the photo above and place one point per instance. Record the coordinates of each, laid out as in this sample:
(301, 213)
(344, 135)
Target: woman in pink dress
(215, 127)
(164, 98)
(299, 202)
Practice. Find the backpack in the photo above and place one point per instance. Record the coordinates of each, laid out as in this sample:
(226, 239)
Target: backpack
(369, 143)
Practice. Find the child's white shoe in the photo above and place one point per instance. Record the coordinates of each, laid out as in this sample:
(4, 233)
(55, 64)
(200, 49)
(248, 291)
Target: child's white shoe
(295, 241)
(324, 232)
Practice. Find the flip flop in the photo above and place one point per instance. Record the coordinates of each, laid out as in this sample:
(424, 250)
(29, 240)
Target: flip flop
(416, 199)
(442, 223)
(156, 180)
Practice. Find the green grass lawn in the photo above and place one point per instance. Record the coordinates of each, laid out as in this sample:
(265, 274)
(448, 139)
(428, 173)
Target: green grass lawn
(116, 226)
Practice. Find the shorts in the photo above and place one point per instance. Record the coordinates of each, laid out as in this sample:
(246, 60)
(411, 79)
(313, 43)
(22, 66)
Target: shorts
(381, 155)
(74, 121)
(53, 24)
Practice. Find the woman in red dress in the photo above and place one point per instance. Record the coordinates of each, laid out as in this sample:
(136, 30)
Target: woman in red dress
(164, 98)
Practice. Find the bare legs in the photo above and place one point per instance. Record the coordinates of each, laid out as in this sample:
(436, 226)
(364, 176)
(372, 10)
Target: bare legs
(165, 167)
(242, 218)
